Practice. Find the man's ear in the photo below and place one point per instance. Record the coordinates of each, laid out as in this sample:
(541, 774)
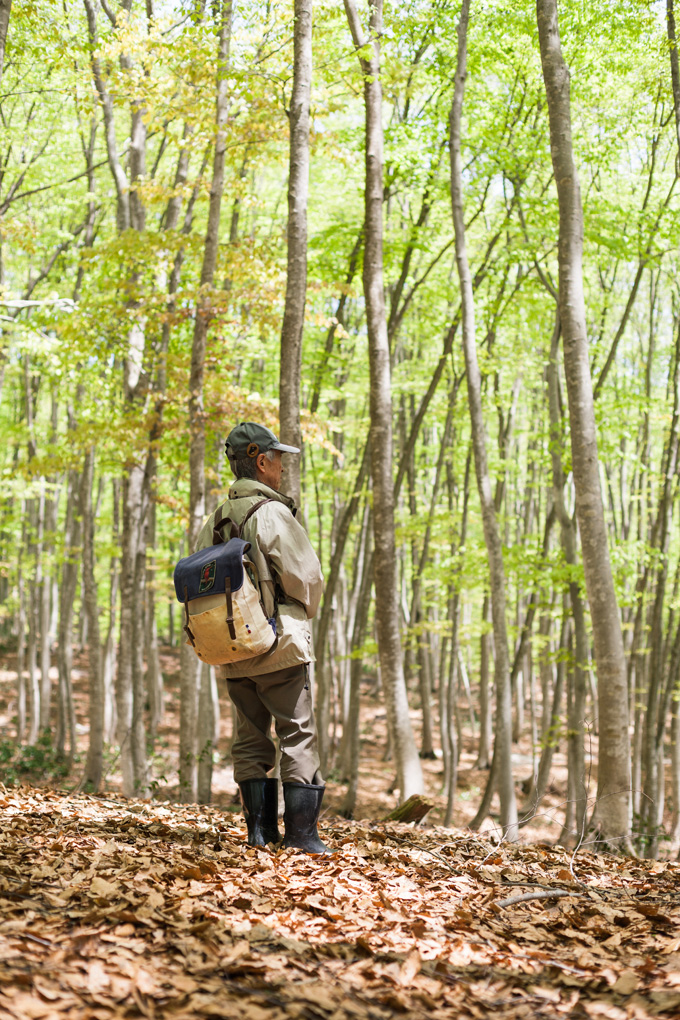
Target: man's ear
(259, 461)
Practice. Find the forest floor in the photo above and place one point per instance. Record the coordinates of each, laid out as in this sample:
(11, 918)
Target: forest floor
(113, 908)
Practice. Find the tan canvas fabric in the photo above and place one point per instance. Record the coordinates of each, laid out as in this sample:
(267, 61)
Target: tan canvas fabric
(283, 556)
(252, 631)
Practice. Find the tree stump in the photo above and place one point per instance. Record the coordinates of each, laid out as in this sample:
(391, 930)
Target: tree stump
(412, 810)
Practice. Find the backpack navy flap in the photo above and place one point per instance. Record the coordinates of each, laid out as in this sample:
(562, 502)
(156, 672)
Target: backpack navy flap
(205, 572)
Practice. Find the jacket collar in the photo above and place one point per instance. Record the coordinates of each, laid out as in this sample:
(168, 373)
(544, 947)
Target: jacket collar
(245, 488)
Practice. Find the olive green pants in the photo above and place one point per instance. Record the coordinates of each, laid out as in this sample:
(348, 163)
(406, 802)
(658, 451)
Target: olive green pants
(285, 696)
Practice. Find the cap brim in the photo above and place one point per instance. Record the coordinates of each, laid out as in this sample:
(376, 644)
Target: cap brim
(284, 449)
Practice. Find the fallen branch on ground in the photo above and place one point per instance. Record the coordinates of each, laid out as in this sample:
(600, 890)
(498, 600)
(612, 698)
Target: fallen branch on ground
(544, 894)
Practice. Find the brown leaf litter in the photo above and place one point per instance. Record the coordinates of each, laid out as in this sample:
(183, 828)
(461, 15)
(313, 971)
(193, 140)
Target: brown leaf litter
(114, 908)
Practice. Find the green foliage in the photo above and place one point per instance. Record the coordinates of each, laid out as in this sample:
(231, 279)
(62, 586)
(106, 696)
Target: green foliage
(61, 247)
(32, 763)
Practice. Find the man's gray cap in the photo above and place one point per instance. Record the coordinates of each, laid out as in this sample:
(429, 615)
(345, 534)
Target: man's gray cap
(250, 439)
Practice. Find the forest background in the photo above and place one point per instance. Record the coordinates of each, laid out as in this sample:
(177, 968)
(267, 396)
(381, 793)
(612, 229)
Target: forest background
(144, 173)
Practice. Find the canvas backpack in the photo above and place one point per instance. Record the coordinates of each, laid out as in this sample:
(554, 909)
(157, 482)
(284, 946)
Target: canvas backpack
(219, 588)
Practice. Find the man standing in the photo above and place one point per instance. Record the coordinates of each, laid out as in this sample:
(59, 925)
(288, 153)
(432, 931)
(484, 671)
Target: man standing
(276, 684)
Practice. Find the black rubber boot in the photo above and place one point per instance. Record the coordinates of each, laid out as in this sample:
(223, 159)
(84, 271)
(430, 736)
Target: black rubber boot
(260, 799)
(303, 805)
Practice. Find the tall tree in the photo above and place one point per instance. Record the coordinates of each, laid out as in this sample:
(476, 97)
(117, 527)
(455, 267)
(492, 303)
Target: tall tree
(612, 810)
(130, 214)
(387, 610)
(296, 278)
(190, 665)
(503, 731)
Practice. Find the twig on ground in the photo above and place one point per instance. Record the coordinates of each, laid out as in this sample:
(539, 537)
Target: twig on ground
(33, 938)
(544, 894)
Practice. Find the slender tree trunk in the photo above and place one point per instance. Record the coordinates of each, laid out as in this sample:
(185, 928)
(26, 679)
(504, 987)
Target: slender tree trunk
(448, 702)
(45, 618)
(33, 542)
(35, 516)
(95, 753)
(409, 772)
(655, 714)
(546, 671)
(356, 671)
(33, 686)
(296, 278)
(110, 646)
(675, 771)
(347, 621)
(5, 8)
(130, 693)
(675, 724)
(485, 694)
(205, 735)
(67, 593)
(21, 649)
(49, 529)
(675, 69)
(154, 676)
(503, 729)
(578, 665)
(612, 810)
(189, 664)
(448, 716)
(130, 214)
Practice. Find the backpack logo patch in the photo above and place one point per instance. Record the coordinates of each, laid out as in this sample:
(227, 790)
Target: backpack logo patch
(207, 577)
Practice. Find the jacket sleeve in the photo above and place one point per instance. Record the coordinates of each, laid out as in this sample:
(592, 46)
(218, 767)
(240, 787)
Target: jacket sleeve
(284, 542)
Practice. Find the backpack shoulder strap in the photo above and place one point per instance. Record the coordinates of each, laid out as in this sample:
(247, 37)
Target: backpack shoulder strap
(236, 529)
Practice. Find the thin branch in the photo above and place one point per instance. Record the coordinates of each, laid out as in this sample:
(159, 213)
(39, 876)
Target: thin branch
(544, 894)
(45, 187)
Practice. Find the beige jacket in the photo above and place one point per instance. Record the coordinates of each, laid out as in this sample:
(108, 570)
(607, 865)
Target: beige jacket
(286, 563)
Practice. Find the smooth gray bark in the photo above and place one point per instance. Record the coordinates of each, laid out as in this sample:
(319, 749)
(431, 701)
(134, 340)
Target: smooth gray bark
(110, 651)
(130, 213)
(492, 538)
(353, 745)
(95, 752)
(5, 8)
(296, 277)
(656, 709)
(387, 611)
(189, 664)
(612, 810)
(205, 734)
(66, 723)
(21, 656)
(572, 831)
(485, 694)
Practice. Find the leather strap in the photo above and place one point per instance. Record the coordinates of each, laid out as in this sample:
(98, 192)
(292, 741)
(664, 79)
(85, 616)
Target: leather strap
(186, 610)
(236, 529)
(230, 609)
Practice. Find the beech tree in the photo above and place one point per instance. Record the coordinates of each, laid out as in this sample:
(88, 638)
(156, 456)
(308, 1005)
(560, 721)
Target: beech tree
(502, 761)
(612, 809)
(191, 674)
(409, 772)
